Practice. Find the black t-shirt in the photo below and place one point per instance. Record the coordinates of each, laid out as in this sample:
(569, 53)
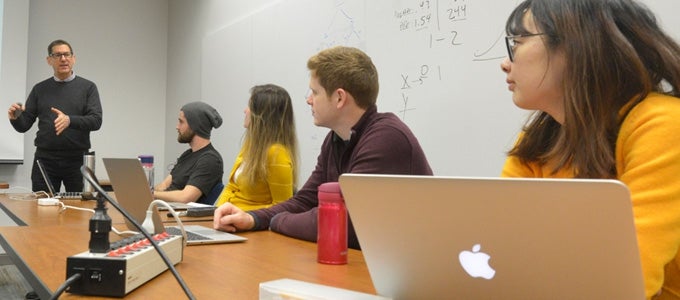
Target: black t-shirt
(202, 169)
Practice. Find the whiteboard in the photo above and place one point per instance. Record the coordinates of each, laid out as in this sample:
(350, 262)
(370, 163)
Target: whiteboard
(438, 63)
(439, 68)
(13, 49)
(272, 46)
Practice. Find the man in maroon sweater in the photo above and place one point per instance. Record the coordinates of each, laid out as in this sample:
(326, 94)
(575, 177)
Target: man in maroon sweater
(343, 92)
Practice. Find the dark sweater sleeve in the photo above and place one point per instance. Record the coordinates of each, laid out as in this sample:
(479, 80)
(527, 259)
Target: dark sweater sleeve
(91, 118)
(25, 121)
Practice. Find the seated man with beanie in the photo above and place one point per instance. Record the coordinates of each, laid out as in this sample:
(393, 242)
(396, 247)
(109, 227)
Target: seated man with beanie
(199, 169)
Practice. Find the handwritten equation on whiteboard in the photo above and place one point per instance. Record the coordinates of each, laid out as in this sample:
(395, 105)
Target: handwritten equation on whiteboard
(414, 80)
(438, 17)
(440, 22)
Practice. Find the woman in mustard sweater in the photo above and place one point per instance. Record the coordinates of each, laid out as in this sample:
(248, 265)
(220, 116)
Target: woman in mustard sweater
(265, 169)
(604, 80)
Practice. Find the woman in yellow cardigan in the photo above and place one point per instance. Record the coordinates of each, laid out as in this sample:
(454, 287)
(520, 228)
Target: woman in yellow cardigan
(604, 80)
(265, 170)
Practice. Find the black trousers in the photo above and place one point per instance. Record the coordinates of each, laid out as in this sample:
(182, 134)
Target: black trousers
(61, 170)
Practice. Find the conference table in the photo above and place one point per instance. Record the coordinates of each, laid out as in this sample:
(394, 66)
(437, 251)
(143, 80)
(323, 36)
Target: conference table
(219, 271)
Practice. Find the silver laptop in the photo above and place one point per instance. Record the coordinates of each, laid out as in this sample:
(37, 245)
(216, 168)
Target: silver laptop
(182, 205)
(131, 190)
(50, 187)
(426, 237)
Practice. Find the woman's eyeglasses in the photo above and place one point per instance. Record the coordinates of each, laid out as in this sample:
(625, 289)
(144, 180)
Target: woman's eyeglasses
(510, 43)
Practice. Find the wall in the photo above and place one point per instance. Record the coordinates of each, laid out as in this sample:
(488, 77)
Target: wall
(121, 46)
(439, 74)
(12, 73)
(189, 22)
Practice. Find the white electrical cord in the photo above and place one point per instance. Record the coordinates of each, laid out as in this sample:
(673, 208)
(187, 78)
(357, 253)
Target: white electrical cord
(148, 221)
(63, 207)
(126, 232)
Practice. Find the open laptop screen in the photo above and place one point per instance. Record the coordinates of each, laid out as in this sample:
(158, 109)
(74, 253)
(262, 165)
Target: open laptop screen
(428, 237)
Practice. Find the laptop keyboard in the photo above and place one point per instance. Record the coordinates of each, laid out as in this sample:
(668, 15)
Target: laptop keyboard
(190, 235)
(69, 195)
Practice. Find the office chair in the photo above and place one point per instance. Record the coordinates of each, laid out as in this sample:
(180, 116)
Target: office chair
(211, 197)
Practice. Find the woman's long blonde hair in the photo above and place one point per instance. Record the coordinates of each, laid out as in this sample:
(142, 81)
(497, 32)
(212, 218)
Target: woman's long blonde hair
(271, 122)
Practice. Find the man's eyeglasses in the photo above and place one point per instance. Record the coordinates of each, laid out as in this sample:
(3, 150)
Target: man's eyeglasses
(59, 55)
(510, 43)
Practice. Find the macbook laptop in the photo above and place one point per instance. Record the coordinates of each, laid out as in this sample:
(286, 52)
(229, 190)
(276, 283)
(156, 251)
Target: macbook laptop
(132, 192)
(426, 237)
(59, 195)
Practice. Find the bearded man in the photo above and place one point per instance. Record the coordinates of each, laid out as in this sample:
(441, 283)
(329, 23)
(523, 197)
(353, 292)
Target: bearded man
(199, 169)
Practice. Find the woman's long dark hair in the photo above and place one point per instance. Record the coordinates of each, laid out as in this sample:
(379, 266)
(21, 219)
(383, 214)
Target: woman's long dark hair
(616, 54)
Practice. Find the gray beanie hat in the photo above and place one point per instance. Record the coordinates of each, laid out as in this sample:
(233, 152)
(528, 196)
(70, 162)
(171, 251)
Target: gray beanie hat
(201, 118)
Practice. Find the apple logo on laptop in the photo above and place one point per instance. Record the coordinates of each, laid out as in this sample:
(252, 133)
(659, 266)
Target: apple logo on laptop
(476, 263)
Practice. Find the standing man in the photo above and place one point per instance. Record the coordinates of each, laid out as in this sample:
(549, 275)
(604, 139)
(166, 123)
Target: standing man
(67, 108)
(199, 169)
(344, 90)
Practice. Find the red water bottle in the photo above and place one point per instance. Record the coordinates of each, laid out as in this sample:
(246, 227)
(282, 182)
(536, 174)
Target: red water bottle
(332, 221)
